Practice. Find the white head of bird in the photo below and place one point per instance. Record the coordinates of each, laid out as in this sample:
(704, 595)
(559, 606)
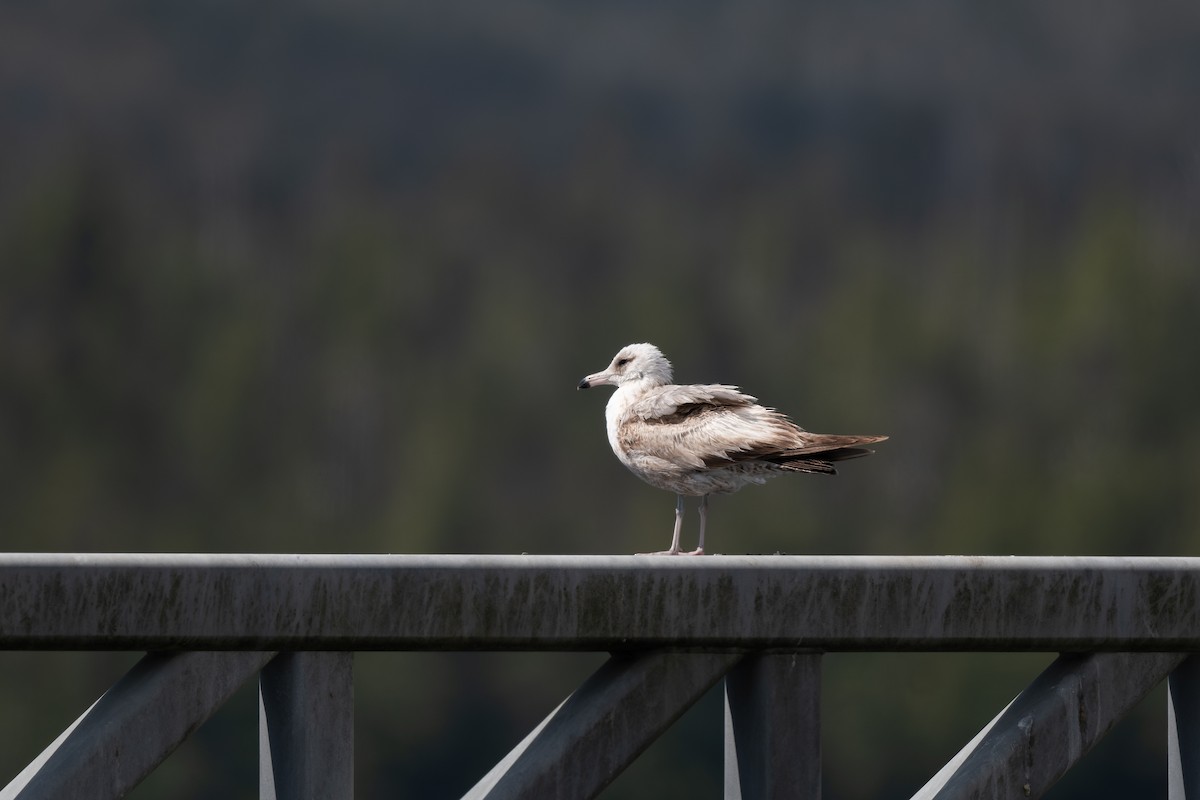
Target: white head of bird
(642, 364)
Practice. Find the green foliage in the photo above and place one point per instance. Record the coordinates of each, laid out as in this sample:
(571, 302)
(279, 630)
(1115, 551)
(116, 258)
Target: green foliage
(393, 391)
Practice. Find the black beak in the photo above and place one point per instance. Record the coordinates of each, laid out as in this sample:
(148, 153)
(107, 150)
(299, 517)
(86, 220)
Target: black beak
(583, 384)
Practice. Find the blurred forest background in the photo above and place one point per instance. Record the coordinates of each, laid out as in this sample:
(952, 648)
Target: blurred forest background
(322, 277)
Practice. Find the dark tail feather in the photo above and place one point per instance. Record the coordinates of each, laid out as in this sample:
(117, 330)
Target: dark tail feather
(843, 453)
(808, 465)
(823, 451)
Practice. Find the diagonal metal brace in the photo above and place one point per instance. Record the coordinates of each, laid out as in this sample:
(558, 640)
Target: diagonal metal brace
(134, 726)
(603, 726)
(1050, 725)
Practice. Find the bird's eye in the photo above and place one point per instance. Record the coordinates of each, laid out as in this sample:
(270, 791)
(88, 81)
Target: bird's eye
(623, 360)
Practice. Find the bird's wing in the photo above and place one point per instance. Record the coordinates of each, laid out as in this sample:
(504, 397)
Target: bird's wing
(831, 446)
(704, 426)
(662, 403)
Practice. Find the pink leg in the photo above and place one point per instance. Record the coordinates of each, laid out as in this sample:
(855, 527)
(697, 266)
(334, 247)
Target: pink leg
(699, 551)
(674, 551)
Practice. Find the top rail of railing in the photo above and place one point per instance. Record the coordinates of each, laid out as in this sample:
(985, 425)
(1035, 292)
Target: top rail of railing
(87, 601)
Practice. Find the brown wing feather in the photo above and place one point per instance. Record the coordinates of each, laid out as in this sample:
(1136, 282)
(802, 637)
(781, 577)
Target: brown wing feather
(665, 403)
(702, 427)
(829, 448)
(832, 446)
(700, 434)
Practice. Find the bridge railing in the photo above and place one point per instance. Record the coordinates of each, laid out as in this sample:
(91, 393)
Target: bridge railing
(674, 627)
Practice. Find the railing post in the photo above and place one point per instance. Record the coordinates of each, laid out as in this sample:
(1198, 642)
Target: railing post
(306, 727)
(1183, 731)
(773, 727)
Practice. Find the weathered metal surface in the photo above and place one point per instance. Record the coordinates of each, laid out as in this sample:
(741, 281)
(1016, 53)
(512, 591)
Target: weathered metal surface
(603, 726)
(678, 624)
(773, 728)
(306, 727)
(1183, 731)
(312, 602)
(134, 726)
(1049, 726)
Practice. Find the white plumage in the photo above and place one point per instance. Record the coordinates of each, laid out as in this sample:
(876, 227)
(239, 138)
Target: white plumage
(704, 439)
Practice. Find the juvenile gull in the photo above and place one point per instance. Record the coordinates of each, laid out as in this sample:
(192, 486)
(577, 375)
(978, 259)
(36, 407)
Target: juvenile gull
(703, 439)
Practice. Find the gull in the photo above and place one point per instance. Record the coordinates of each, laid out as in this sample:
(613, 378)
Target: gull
(702, 439)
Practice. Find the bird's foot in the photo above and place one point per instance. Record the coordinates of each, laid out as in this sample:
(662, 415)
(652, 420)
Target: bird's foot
(699, 551)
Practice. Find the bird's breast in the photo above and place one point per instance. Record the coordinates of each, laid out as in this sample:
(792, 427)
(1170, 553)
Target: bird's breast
(614, 414)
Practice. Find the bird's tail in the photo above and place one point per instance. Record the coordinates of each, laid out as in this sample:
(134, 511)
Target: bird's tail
(820, 450)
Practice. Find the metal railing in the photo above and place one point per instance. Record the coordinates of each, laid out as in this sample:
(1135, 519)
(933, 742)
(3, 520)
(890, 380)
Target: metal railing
(674, 626)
